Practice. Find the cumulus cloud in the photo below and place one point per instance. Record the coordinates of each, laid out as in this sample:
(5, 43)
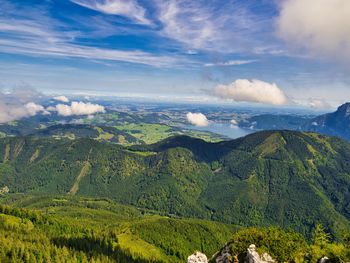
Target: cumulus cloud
(322, 26)
(33, 108)
(61, 98)
(233, 123)
(77, 108)
(19, 104)
(197, 119)
(244, 90)
(319, 104)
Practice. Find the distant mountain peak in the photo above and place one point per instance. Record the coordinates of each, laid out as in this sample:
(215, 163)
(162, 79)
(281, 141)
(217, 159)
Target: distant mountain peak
(335, 123)
(344, 109)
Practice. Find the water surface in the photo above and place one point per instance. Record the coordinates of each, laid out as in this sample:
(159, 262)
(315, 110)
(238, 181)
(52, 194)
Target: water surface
(225, 129)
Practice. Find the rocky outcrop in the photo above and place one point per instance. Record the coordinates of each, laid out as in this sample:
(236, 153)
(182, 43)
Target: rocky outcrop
(254, 257)
(324, 260)
(197, 257)
(4, 190)
(225, 256)
(266, 258)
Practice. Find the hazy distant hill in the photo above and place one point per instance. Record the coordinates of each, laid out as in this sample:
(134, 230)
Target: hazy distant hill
(336, 123)
(274, 122)
(77, 131)
(291, 179)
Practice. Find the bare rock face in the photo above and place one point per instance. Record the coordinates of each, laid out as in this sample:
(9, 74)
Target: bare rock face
(197, 257)
(254, 257)
(224, 256)
(266, 258)
(324, 259)
(4, 190)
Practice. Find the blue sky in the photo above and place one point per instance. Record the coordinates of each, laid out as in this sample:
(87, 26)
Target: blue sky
(178, 47)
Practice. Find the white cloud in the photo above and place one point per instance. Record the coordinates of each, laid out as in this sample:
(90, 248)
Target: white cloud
(233, 124)
(18, 104)
(244, 90)
(61, 98)
(38, 47)
(319, 104)
(225, 28)
(33, 108)
(30, 37)
(192, 52)
(128, 8)
(197, 119)
(230, 63)
(51, 108)
(321, 26)
(78, 108)
(184, 22)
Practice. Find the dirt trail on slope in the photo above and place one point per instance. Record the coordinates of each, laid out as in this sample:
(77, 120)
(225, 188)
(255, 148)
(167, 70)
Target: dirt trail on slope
(7, 153)
(35, 155)
(83, 172)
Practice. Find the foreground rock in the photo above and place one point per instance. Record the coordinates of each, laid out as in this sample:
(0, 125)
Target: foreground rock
(197, 257)
(254, 257)
(4, 190)
(225, 256)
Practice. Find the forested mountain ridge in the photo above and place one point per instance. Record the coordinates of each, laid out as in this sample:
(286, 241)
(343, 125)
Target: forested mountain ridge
(284, 178)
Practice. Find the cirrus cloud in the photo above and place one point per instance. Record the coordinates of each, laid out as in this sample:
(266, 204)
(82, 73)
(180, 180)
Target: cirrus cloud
(256, 91)
(128, 8)
(230, 63)
(197, 119)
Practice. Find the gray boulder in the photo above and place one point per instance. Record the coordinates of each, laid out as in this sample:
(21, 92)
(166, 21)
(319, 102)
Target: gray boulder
(254, 257)
(197, 257)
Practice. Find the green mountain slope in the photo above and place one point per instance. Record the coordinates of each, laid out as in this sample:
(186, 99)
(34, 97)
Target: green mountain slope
(284, 178)
(99, 230)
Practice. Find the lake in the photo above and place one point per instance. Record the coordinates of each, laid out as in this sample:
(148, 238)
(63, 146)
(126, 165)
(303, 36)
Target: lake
(225, 129)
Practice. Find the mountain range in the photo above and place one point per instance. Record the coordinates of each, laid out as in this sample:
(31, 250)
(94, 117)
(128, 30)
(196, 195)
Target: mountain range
(291, 179)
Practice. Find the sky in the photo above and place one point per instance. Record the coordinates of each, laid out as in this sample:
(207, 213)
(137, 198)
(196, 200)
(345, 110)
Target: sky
(274, 52)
